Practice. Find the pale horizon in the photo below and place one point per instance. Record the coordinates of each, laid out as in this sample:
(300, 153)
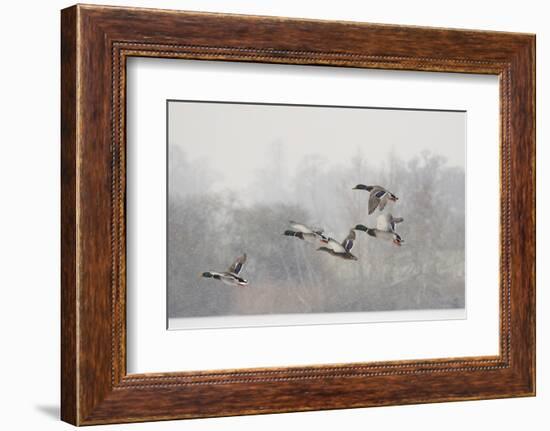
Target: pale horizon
(236, 140)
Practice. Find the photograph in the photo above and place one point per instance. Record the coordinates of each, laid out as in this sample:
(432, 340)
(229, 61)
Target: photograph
(284, 214)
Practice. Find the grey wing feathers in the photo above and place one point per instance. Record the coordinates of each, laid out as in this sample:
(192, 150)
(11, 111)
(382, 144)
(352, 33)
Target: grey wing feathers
(378, 196)
(300, 227)
(383, 203)
(394, 221)
(373, 202)
(238, 265)
(335, 246)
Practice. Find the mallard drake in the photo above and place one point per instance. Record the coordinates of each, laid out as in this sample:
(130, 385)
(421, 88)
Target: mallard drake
(231, 276)
(342, 250)
(387, 222)
(381, 234)
(306, 233)
(379, 196)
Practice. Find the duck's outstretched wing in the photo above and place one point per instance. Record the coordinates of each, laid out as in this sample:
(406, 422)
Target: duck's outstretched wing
(383, 202)
(238, 265)
(374, 200)
(394, 222)
(335, 246)
(348, 242)
(300, 227)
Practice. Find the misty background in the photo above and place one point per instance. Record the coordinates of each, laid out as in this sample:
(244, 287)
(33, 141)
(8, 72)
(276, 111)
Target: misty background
(237, 173)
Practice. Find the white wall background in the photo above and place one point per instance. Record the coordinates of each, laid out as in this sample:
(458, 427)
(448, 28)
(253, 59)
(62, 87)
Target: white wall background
(29, 215)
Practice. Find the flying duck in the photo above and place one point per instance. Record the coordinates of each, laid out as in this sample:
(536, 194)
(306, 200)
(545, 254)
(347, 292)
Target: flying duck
(306, 233)
(231, 276)
(388, 235)
(379, 196)
(342, 250)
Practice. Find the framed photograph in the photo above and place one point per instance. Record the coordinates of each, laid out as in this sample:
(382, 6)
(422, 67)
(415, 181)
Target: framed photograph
(317, 215)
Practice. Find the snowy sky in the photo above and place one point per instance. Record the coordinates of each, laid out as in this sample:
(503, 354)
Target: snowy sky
(236, 139)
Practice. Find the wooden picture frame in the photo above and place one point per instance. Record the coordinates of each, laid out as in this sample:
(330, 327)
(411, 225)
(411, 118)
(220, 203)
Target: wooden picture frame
(95, 43)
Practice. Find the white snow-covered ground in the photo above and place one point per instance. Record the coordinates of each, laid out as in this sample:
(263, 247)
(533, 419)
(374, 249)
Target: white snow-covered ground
(314, 319)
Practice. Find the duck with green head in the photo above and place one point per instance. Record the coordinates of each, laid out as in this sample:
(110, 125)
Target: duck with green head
(385, 229)
(231, 276)
(340, 250)
(378, 197)
(306, 233)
